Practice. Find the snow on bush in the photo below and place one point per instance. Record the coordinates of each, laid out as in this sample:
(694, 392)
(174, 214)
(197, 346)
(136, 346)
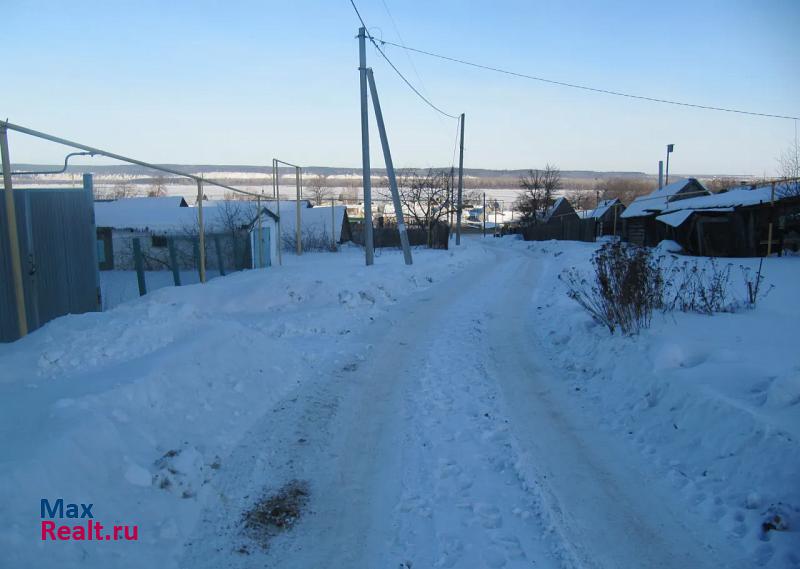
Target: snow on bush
(630, 283)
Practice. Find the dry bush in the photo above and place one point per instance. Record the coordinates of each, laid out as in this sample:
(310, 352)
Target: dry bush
(630, 283)
(626, 289)
(311, 239)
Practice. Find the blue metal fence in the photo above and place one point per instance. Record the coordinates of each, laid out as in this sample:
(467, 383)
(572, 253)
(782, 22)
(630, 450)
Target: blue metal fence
(59, 256)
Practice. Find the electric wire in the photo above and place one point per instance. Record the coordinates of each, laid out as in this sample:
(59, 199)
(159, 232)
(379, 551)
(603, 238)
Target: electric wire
(394, 67)
(583, 87)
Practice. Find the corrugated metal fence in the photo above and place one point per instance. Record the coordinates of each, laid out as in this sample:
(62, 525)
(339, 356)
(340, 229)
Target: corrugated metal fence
(59, 256)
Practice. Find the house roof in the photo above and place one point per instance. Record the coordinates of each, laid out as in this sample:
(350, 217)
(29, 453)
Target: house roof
(170, 215)
(554, 208)
(141, 213)
(601, 209)
(732, 198)
(315, 220)
(679, 211)
(677, 218)
(660, 200)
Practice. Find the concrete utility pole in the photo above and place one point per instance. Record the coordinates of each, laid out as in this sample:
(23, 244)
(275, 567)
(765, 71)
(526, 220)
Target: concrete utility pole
(660, 174)
(13, 236)
(365, 168)
(387, 156)
(460, 184)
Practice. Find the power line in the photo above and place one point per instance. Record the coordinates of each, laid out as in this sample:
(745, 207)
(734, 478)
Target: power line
(577, 86)
(396, 70)
(402, 42)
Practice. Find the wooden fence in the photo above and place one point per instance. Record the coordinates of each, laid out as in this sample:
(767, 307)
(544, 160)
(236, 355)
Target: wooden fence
(565, 230)
(388, 236)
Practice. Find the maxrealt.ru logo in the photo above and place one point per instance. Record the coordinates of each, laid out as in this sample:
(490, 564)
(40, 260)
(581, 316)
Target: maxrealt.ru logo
(88, 530)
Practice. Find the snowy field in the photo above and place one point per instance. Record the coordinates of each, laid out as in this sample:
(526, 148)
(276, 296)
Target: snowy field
(462, 412)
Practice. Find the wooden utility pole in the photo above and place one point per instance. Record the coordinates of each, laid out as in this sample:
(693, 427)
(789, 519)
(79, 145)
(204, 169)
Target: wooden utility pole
(13, 236)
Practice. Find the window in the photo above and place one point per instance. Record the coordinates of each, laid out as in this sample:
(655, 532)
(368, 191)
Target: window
(158, 241)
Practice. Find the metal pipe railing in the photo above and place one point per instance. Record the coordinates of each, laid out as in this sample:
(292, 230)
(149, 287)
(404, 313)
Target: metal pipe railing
(120, 157)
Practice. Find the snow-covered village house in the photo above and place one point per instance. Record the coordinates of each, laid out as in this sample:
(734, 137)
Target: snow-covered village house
(229, 229)
(606, 216)
(735, 222)
(639, 218)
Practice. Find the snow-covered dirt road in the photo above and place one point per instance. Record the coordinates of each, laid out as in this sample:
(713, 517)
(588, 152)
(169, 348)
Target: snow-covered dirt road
(460, 413)
(446, 447)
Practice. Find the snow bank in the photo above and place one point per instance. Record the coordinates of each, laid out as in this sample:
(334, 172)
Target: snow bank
(136, 409)
(711, 402)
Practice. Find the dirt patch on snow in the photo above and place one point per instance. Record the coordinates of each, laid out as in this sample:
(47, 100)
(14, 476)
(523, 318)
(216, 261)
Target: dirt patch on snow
(277, 512)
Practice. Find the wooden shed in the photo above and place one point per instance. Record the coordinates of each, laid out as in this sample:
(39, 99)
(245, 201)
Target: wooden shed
(639, 218)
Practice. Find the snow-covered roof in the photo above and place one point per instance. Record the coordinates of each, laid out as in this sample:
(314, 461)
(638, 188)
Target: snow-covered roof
(601, 209)
(660, 200)
(732, 198)
(679, 211)
(169, 215)
(676, 218)
(314, 220)
(553, 208)
(140, 213)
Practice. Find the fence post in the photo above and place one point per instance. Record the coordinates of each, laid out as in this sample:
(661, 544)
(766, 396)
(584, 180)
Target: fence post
(771, 218)
(299, 230)
(202, 236)
(173, 261)
(218, 247)
(277, 194)
(13, 236)
(333, 227)
(260, 235)
(137, 262)
(484, 217)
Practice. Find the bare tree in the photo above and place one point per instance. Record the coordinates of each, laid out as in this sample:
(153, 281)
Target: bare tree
(320, 192)
(121, 190)
(425, 198)
(624, 189)
(539, 188)
(716, 185)
(158, 189)
(789, 169)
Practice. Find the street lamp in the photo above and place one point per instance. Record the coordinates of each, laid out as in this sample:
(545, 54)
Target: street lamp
(670, 148)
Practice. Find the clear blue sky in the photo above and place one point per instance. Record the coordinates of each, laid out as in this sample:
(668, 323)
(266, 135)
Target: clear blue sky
(240, 82)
